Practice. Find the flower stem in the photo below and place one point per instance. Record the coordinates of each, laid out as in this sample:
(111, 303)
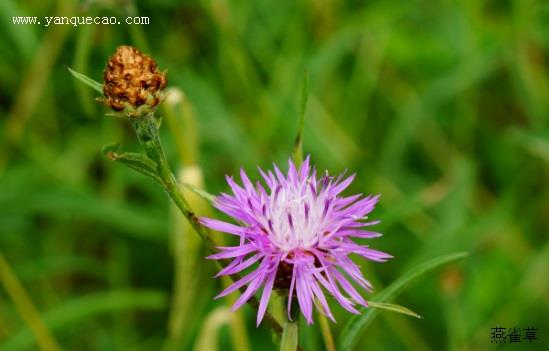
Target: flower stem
(186, 252)
(26, 308)
(290, 333)
(326, 332)
(289, 336)
(146, 129)
(176, 109)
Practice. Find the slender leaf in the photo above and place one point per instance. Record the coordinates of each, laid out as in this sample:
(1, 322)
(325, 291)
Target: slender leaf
(139, 162)
(95, 85)
(298, 145)
(393, 308)
(47, 266)
(355, 326)
(37, 329)
(73, 312)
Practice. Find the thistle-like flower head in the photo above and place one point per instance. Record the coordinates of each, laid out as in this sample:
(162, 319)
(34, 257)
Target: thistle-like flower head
(133, 82)
(296, 235)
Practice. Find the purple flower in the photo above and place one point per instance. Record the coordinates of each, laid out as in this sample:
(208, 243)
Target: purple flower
(298, 236)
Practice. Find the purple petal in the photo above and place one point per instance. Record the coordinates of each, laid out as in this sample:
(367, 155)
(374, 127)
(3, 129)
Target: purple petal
(348, 287)
(250, 290)
(292, 172)
(239, 265)
(237, 189)
(334, 290)
(344, 201)
(247, 183)
(372, 254)
(343, 185)
(279, 175)
(222, 226)
(233, 251)
(304, 297)
(354, 272)
(304, 169)
(267, 291)
(358, 233)
(332, 287)
(268, 179)
(238, 284)
(291, 293)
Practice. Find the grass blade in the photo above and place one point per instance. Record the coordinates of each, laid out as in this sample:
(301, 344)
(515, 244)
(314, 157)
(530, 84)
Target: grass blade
(27, 309)
(297, 154)
(82, 308)
(355, 326)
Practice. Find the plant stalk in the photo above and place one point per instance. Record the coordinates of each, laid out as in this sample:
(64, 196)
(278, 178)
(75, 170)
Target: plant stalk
(146, 129)
(326, 332)
(26, 308)
(290, 333)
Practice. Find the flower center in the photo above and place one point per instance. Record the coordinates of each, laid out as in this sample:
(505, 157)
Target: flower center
(296, 218)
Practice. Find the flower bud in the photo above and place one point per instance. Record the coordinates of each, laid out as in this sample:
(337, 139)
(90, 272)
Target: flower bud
(133, 83)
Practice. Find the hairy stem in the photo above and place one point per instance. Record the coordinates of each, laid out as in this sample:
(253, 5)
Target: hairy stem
(146, 129)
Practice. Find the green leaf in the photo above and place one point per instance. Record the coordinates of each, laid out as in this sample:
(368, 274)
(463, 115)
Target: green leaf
(393, 308)
(356, 325)
(137, 161)
(298, 145)
(74, 312)
(58, 265)
(58, 202)
(87, 80)
(110, 148)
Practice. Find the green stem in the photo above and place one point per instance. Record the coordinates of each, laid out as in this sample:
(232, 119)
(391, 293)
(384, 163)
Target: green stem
(146, 129)
(326, 332)
(26, 308)
(178, 109)
(290, 333)
(289, 336)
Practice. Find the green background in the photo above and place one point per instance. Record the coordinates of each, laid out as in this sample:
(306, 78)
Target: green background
(440, 106)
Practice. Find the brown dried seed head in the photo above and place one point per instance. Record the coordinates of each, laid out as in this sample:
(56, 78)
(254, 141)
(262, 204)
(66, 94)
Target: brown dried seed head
(132, 79)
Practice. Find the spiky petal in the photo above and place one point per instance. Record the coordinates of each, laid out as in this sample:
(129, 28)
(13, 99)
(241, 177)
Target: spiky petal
(296, 234)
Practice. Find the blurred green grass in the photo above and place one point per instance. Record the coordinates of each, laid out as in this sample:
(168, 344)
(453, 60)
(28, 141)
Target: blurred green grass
(440, 106)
